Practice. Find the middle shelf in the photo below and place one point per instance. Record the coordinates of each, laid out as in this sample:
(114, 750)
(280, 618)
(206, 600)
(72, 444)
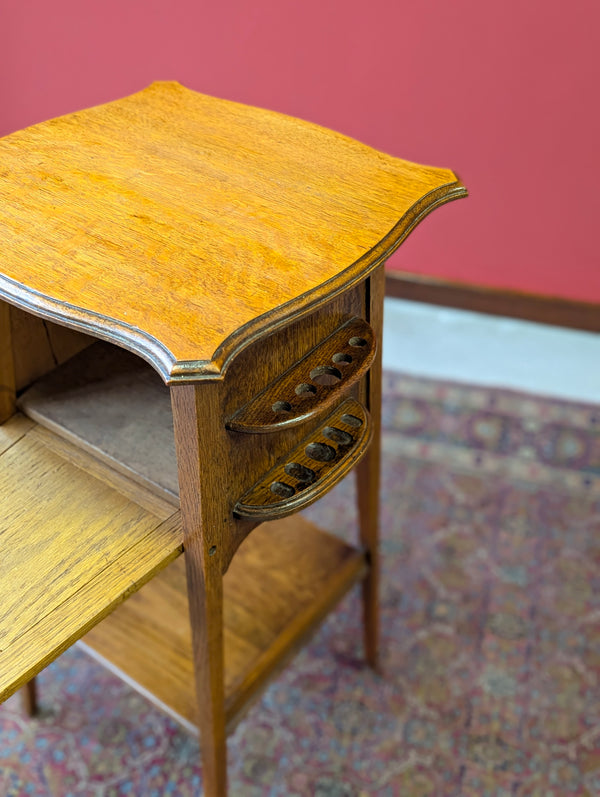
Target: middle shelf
(108, 402)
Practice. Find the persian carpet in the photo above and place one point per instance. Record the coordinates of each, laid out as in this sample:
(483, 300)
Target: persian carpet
(490, 646)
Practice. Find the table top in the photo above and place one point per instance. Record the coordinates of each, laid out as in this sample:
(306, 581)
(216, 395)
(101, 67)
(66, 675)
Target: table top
(177, 225)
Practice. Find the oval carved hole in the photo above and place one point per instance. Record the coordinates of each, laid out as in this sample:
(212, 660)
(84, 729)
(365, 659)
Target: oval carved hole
(338, 435)
(305, 389)
(320, 452)
(325, 375)
(342, 358)
(357, 342)
(282, 406)
(351, 420)
(300, 472)
(282, 489)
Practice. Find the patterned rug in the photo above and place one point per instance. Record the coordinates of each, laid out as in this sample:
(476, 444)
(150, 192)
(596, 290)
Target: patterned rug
(491, 636)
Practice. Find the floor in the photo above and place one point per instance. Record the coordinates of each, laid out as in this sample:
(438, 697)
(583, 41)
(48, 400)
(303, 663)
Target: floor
(470, 347)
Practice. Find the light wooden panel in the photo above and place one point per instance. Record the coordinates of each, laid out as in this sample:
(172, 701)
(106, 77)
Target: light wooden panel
(148, 498)
(284, 578)
(72, 549)
(171, 221)
(13, 430)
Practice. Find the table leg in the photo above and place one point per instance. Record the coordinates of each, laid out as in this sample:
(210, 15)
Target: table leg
(7, 374)
(206, 521)
(29, 698)
(367, 475)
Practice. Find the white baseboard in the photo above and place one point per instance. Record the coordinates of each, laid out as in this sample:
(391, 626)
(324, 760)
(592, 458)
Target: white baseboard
(471, 347)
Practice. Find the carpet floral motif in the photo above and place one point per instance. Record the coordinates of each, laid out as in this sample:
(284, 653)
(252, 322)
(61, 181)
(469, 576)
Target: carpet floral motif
(490, 623)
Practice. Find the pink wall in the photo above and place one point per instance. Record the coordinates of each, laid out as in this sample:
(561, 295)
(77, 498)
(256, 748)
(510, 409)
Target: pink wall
(506, 93)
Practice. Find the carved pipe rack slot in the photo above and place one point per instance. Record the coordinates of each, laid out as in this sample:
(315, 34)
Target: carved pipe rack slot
(312, 385)
(314, 466)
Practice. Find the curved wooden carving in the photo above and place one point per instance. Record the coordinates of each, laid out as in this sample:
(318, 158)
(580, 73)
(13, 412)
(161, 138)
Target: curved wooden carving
(185, 240)
(312, 385)
(312, 468)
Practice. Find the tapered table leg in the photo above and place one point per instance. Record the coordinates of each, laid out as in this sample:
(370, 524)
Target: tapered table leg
(368, 475)
(205, 522)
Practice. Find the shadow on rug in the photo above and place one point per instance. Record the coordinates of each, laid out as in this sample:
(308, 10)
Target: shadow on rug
(491, 635)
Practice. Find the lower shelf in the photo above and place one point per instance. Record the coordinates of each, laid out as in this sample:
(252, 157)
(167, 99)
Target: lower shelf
(284, 579)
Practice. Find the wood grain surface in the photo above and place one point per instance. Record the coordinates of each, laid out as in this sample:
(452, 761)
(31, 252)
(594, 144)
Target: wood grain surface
(72, 549)
(368, 474)
(40, 345)
(13, 430)
(179, 225)
(284, 578)
(313, 385)
(7, 370)
(312, 468)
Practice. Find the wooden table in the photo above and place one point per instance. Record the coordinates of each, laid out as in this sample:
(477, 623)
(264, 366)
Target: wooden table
(192, 309)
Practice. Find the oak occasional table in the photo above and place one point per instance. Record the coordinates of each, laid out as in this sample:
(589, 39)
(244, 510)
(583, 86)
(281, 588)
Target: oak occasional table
(190, 326)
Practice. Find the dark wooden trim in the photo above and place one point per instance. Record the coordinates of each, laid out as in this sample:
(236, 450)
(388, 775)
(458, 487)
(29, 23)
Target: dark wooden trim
(494, 301)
